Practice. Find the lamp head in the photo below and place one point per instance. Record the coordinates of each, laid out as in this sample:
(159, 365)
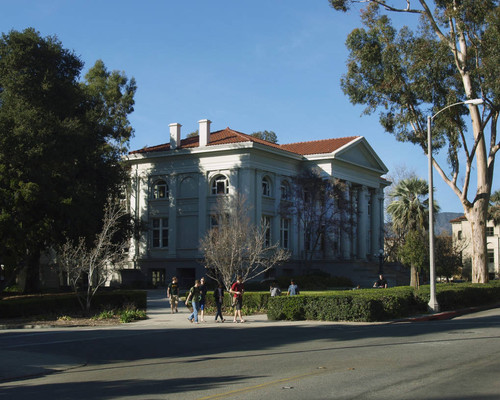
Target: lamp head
(474, 102)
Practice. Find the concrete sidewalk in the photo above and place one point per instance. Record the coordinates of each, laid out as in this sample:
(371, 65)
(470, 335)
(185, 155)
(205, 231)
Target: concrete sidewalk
(160, 315)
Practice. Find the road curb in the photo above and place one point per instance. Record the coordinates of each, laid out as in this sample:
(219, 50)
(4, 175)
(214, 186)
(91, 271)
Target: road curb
(448, 314)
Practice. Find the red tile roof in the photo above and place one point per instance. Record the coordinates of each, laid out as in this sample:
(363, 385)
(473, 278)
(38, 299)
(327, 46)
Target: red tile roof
(229, 136)
(324, 146)
(459, 219)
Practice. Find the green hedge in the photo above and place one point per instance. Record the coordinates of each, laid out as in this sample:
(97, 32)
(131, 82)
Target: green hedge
(380, 304)
(67, 303)
(453, 296)
(354, 305)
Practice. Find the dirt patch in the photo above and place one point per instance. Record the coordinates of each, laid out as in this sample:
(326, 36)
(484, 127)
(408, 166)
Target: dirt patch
(56, 322)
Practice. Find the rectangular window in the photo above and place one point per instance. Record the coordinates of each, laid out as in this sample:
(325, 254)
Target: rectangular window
(285, 233)
(266, 224)
(459, 235)
(491, 256)
(489, 231)
(160, 232)
(285, 191)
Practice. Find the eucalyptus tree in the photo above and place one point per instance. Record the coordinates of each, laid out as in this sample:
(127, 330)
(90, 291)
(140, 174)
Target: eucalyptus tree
(61, 140)
(409, 74)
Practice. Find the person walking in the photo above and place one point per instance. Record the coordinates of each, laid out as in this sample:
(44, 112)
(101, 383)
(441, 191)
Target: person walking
(219, 301)
(274, 289)
(237, 290)
(194, 296)
(173, 294)
(203, 296)
(293, 289)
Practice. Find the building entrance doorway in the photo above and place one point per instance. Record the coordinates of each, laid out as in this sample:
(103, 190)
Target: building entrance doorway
(158, 277)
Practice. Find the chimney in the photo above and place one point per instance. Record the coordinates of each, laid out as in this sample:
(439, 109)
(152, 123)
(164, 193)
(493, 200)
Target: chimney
(204, 131)
(175, 136)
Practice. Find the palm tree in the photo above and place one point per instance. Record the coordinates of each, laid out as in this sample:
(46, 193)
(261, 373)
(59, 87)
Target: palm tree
(409, 211)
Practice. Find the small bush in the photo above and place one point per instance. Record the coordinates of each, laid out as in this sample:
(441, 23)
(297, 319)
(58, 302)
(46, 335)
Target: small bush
(107, 314)
(127, 316)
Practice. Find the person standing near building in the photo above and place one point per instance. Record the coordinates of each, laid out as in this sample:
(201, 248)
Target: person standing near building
(194, 295)
(219, 301)
(237, 290)
(381, 283)
(173, 294)
(203, 296)
(293, 289)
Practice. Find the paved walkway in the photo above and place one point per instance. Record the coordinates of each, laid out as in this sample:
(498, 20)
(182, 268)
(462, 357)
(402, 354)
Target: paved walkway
(160, 315)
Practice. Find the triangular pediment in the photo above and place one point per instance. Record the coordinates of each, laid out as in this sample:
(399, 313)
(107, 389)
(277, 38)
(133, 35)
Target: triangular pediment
(359, 152)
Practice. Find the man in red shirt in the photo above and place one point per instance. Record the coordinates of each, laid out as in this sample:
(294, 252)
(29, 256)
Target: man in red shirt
(237, 290)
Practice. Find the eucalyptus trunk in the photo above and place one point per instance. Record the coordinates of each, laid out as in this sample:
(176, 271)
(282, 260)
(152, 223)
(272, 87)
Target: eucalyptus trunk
(476, 216)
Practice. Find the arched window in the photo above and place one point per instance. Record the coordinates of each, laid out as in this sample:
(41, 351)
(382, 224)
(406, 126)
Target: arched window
(266, 187)
(220, 185)
(160, 190)
(285, 190)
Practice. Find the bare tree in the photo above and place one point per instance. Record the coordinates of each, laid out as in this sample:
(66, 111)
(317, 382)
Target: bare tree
(234, 246)
(89, 267)
(322, 209)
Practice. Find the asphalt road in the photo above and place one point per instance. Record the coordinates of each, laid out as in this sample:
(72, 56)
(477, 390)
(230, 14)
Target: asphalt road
(169, 358)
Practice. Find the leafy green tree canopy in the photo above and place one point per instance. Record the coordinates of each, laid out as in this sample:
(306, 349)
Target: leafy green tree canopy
(269, 136)
(60, 145)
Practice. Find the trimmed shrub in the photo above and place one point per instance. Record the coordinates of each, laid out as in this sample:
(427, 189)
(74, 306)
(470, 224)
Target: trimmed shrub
(380, 304)
(354, 305)
(453, 296)
(67, 303)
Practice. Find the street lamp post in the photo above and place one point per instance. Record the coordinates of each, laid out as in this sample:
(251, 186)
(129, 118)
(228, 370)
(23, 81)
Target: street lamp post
(381, 258)
(433, 304)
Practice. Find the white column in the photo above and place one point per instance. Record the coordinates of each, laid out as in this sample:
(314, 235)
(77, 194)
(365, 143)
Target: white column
(258, 196)
(276, 193)
(202, 203)
(345, 240)
(382, 221)
(172, 215)
(362, 222)
(375, 221)
(354, 225)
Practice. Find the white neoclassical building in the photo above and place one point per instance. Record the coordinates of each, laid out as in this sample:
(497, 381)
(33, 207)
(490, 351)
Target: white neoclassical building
(462, 235)
(175, 185)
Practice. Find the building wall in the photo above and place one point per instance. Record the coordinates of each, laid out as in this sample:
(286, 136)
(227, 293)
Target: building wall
(461, 231)
(189, 174)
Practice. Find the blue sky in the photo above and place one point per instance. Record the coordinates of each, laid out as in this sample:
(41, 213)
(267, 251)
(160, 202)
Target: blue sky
(254, 65)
